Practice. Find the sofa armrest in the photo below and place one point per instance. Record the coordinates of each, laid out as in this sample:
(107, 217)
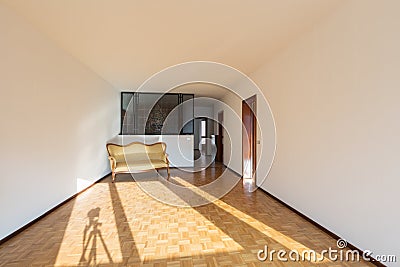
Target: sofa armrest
(113, 162)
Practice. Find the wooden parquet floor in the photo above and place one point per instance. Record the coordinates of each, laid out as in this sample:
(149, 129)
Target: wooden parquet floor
(117, 224)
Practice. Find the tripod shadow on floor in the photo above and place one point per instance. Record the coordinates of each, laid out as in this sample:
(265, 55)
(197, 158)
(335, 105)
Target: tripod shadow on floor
(91, 234)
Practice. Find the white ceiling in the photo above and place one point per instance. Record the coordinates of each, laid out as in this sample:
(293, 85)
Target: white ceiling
(202, 90)
(126, 41)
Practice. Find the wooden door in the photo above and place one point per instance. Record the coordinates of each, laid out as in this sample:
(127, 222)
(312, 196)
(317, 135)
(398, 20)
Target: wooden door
(249, 137)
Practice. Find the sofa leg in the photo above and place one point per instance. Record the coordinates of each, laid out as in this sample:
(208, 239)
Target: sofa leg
(113, 176)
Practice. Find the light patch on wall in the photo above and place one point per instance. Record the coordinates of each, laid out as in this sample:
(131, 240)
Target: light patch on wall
(82, 184)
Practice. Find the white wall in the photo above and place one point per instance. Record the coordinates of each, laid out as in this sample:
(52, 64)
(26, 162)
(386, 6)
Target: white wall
(203, 111)
(232, 140)
(56, 116)
(335, 97)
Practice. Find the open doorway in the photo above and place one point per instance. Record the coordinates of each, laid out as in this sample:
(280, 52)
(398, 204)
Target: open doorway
(204, 142)
(249, 137)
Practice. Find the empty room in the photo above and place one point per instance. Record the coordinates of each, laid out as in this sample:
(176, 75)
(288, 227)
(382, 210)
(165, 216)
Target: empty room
(199, 133)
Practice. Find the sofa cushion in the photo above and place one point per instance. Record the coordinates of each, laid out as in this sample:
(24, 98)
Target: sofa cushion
(140, 165)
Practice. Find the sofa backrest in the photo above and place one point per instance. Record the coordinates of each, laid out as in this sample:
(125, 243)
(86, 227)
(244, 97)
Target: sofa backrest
(137, 151)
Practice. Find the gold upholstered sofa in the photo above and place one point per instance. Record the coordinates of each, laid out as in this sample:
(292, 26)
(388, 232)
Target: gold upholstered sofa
(137, 157)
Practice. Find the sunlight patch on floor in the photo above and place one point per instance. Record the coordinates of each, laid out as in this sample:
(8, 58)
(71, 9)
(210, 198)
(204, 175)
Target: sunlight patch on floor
(85, 229)
(286, 241)
(162, 231)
